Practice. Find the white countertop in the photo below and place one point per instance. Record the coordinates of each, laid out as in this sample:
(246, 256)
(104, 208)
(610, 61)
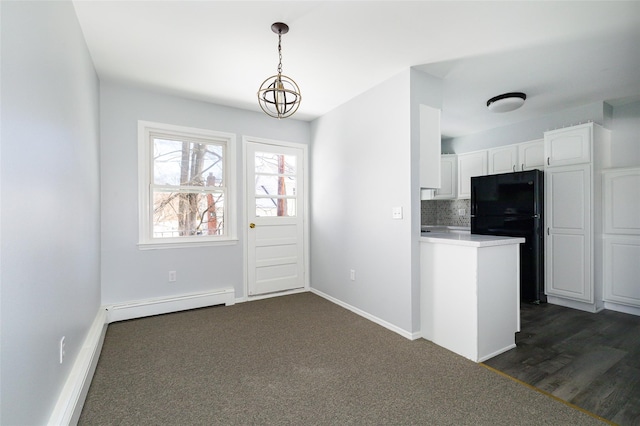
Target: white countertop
(469, 240)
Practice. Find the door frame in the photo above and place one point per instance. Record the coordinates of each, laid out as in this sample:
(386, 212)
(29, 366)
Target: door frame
(305, 217)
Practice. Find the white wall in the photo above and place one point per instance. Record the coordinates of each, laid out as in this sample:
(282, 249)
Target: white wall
(625, 147)
(361, 168)
(50, 219)
(131, 274)
(624, 121)
(526, 130)
(425, 90)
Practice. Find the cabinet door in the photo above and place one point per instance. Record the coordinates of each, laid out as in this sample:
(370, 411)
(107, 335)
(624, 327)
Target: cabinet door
(469, 165)
(448, 177)
(568, 146)
(621, 270)
(503, 159)
(621, 195)
(531, 155)
(568, 238)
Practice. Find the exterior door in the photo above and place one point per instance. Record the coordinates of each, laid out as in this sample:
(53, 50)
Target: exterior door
(275, 217)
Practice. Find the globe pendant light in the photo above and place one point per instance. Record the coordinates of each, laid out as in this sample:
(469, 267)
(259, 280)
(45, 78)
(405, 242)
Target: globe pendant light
(279, 96)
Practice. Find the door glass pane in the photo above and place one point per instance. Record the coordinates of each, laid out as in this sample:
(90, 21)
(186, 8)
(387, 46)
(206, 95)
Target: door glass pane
(270, 163)
(272, 207)
(187, 214)
(275, 185)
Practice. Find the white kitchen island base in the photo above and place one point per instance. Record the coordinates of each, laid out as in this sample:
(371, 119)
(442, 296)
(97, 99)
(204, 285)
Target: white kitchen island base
(470, 293)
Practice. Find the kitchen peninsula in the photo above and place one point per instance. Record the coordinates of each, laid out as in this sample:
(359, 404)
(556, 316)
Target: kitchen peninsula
(470, 292)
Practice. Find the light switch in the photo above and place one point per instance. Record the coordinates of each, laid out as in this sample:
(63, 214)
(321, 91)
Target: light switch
(396, 212)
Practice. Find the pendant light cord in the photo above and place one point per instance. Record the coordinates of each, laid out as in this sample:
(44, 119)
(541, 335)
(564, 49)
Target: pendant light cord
(279, 53)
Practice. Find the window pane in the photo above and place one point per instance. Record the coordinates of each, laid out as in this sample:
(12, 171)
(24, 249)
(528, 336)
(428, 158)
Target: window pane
(270, 163)
(275, 207)
(187, 163)
(275, 185)
(185, 214)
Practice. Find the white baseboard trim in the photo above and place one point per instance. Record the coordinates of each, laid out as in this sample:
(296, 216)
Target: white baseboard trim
(145, 308)
(632, 310)
(383, 323)
(70, 401)
(574, 304)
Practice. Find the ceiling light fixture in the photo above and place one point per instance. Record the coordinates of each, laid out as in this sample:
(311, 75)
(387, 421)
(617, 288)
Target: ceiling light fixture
(279, 96)
(506, 102)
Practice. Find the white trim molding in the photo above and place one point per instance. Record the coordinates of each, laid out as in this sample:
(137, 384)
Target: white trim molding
(383, 323)
(148, 307)
(71, 399)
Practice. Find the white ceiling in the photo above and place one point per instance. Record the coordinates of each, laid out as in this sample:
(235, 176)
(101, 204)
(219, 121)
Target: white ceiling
(561, 54)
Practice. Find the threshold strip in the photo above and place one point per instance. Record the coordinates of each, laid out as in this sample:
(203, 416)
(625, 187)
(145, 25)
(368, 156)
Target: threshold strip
(550, 395)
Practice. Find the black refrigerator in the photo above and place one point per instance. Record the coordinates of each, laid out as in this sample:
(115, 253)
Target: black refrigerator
(512, 204)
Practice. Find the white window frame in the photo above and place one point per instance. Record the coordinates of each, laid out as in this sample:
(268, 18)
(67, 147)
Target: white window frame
(146, 240)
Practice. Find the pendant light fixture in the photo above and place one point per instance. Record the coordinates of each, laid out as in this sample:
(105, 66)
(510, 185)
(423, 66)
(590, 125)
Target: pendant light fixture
(506, 102)
(279, 96)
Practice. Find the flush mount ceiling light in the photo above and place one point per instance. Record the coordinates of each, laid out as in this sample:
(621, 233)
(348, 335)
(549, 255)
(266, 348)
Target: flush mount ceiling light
(506, 102)
(279, 96)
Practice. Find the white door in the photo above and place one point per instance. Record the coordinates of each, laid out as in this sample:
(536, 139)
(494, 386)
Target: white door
(275, 217)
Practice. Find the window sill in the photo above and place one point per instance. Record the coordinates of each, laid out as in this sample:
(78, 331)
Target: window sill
(186, 244)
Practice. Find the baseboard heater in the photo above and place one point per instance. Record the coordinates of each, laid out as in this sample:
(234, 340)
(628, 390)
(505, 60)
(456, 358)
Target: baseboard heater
(145, 308)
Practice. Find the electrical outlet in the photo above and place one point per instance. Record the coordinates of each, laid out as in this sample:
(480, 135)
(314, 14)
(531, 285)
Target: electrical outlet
(352, 274)
(172, 276)
(62, 349)
(462, 212)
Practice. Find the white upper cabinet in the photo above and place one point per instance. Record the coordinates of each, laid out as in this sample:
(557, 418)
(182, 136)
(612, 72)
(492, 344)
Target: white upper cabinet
(572, 145)
(531, 155)
(429, 147)
(621, 189)
(503, 159)
(470, 164)
(448, 178)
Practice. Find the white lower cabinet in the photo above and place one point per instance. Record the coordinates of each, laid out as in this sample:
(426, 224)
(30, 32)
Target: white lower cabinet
(621, 252)
(568, 245)
(622, 270)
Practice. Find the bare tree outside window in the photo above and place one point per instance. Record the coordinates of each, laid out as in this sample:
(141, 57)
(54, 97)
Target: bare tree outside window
(275, 184)
(188, 188)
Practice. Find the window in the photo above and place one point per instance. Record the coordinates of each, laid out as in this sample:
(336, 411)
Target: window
(186, 181)
(275, 184)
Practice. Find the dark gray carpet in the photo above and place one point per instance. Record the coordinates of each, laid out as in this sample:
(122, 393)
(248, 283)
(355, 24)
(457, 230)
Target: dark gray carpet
(297, 360)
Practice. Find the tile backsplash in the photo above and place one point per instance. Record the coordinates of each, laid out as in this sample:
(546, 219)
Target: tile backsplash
(445, 212)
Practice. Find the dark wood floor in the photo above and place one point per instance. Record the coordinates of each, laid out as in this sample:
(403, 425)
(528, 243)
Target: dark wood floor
(589, 360)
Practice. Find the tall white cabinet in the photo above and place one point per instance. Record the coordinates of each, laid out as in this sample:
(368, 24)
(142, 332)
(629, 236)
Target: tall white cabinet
(570, 217)
(621, 262)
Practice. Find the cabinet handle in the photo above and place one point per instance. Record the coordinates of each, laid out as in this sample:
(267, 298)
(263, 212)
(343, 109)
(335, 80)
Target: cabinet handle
(522, 167)
(514, 167)
(548, 163)
(547, 231)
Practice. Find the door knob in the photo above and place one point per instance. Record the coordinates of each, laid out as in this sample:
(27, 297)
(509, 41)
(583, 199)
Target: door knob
(252, 225)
